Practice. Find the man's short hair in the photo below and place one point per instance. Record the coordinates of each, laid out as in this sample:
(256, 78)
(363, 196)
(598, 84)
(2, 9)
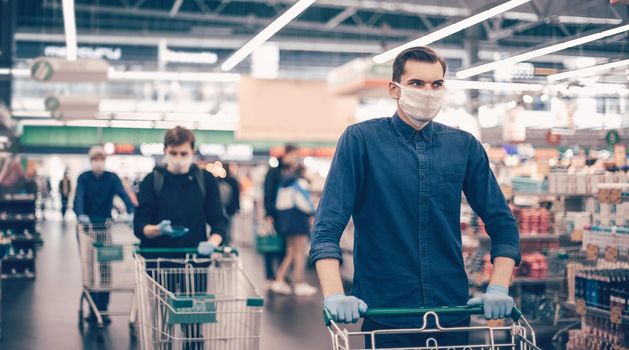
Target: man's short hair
(290, 148)
(178, 136)
(97, 151)
(419, 53)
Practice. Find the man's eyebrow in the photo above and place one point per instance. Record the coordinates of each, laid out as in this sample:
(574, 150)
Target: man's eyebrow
(416, 80)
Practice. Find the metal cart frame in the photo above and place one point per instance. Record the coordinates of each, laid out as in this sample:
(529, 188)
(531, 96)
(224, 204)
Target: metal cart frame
(196, 303)
(521, 334)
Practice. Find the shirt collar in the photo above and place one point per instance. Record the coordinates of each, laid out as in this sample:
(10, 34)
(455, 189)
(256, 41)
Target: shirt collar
(408, 132)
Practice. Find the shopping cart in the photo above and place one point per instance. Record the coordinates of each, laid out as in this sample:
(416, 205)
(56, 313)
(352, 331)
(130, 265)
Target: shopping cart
(107, 266)
(196, 303)
(518, 336)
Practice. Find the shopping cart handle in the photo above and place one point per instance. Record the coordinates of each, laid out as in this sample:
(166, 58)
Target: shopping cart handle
(405, 312)
(220, 250)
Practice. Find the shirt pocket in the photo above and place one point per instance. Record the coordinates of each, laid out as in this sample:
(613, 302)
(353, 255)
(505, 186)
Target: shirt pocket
(450, 188)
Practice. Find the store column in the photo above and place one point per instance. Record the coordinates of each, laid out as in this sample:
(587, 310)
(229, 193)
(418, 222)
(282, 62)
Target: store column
(471, 47)
(7, 34)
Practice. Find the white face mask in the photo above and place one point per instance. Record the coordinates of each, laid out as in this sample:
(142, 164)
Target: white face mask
(177, 164)
(98, 166)
(420, 106)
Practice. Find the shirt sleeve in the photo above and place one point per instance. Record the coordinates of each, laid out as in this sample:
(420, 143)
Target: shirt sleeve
(214, 210)
(79, 197)
(338, 199)
(120, 191)
(486, 199)
(147, 210)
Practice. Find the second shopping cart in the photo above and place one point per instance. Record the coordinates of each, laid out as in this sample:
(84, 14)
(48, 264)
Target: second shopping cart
(194, 302)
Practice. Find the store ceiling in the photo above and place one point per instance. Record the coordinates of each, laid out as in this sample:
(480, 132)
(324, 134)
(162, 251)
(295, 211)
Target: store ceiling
(330, 32)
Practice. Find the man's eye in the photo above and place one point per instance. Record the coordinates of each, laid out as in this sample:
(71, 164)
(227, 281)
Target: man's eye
(417, 83)
(437, 85)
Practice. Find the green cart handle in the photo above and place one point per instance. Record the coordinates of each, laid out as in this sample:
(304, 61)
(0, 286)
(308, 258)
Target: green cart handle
(405, 312)
(221, 250)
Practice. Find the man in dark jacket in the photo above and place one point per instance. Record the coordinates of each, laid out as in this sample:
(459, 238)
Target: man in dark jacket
(180, 194)
(95, 191)
(271, 186)
(65, 188)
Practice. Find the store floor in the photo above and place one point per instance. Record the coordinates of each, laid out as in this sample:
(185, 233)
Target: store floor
(42, 314)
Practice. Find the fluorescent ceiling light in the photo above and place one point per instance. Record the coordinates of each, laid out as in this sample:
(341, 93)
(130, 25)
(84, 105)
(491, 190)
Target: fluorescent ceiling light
(470, 72)
(587, 71)
(69, 25)
(175, 76)
(15, 72)
(5, 71)
(266, 33)
(449, 30)
(492, 86)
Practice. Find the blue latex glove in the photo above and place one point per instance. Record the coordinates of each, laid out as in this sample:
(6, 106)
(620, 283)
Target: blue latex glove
(165, 228)
(206, 248)
(84, 219)
(496, 302)
(344, 309)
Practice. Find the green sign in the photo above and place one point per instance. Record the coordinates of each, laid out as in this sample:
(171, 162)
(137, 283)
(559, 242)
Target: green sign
(52, 103)
(612, 137)
(41, 70)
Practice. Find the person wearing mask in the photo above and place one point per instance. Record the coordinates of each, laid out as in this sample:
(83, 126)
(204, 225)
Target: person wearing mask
(180, 194)
(176, 203)
(400, 179)
(95, 191)
(271, 185)
(294, 212)
(230, 195)
(65, 187)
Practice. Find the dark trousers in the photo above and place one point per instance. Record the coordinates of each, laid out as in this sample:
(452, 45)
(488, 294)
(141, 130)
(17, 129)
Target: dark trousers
(410, 340)
(195, 283)
(101, 299)
(64, 206)
(271, 262)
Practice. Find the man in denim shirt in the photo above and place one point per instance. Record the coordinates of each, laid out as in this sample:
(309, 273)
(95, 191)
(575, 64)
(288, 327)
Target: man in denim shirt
(401, 179)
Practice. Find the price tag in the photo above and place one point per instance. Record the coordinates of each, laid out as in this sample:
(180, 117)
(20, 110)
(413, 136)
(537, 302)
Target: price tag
(581, 309)
(592, 252)
(611, 254)
(576, 235)
(616, 315)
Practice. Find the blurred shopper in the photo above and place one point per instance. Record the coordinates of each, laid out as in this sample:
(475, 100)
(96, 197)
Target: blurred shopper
(229, 188)
(271, 186)
(65, 188)
(401, 179)
(180, 194)
(93, 202)
(294, 211)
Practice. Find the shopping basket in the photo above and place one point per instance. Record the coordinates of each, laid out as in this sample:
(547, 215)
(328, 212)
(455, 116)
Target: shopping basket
(518, 336)
(107, 265)
(196, 302)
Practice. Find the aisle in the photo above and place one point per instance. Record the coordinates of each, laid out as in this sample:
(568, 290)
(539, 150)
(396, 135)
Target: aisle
(42, 314)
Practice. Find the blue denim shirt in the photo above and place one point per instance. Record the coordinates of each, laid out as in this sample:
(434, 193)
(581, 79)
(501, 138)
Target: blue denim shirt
(403, 188)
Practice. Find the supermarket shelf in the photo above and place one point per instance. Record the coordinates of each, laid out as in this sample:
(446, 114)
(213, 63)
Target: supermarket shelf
(11, 201)
(546, 194)
(531, 237)
(11, 221)
(594, 311)
(16, 259)
(17, 276)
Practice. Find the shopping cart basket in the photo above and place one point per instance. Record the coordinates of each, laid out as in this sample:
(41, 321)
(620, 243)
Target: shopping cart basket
(196, 303)
(518, 336)
(107, 266)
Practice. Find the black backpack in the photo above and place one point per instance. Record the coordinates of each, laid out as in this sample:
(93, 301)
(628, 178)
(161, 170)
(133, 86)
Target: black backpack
(158, 181)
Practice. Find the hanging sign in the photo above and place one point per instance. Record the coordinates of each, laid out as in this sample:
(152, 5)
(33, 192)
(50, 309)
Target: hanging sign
(612, 137)
(553, 139)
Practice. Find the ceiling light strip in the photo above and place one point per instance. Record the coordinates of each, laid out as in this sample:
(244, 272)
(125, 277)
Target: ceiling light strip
(470, 72)
(69, 25)
(450, 29)
(588, 71)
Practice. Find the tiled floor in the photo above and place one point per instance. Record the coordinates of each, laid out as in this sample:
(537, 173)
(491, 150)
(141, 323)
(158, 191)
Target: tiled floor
(42, 314)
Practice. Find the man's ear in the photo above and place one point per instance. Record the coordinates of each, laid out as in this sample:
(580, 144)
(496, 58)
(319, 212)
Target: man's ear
(394, 91)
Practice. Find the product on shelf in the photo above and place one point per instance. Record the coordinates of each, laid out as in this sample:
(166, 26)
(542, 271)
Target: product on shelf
(533, 265)
(582, 183)
(600, 334)
(595, 286)
(533, 220)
